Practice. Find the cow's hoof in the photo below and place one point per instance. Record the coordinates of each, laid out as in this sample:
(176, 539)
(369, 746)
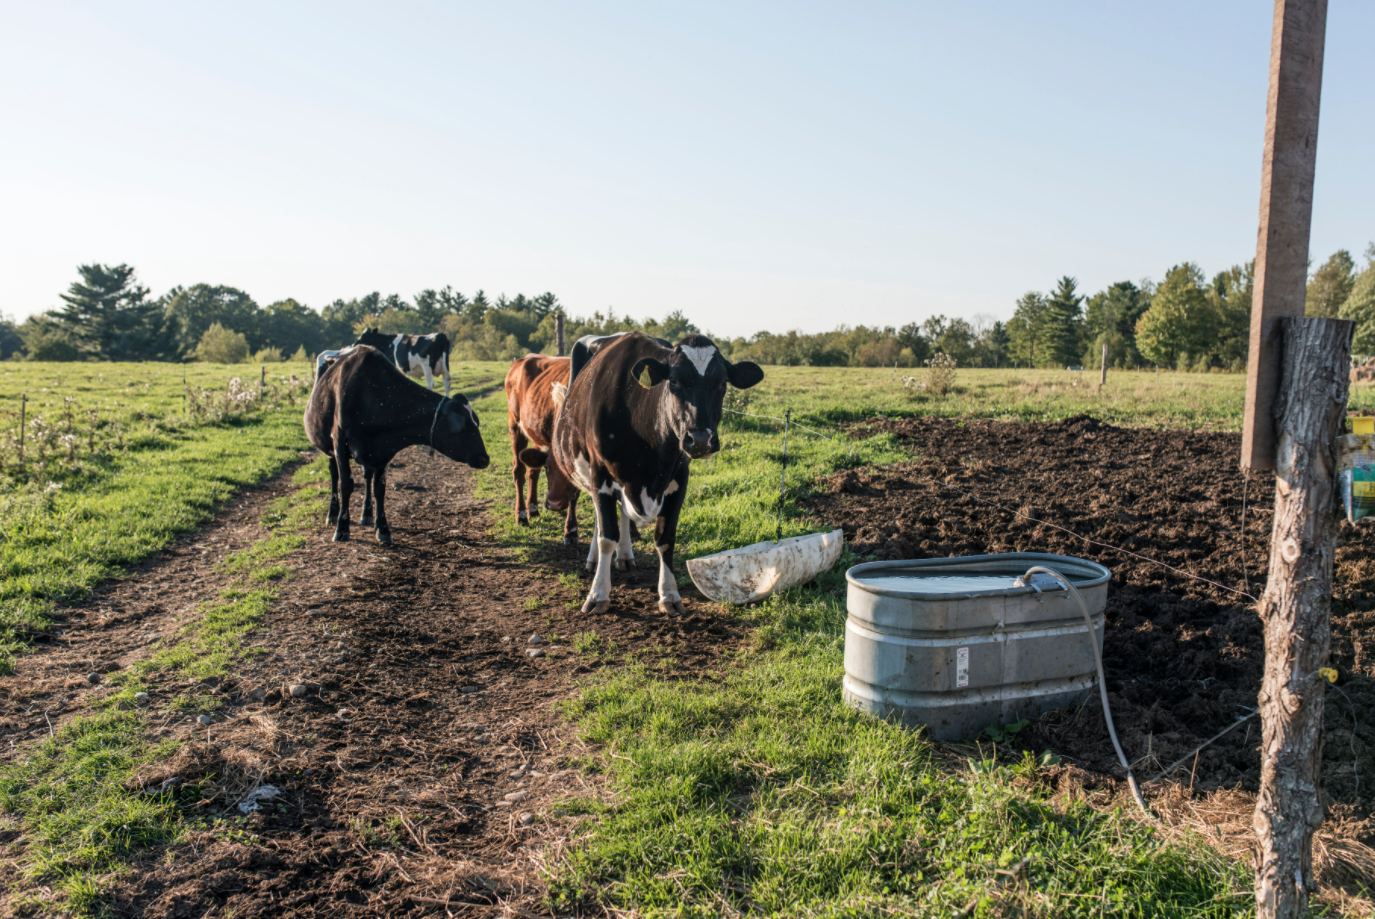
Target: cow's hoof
(622, 564)
(533, 513)
(522, 520)
(593, 605)
(384, 537)
(672, 607)
(341, 535)
(367, 521)
(570, 539)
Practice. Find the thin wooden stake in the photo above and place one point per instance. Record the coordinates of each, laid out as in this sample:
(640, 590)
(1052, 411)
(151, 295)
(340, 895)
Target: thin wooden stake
(23, 409)
(1103, 377)
(783, 476)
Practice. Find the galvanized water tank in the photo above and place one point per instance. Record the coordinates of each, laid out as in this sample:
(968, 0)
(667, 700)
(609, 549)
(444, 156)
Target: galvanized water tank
(952, 644)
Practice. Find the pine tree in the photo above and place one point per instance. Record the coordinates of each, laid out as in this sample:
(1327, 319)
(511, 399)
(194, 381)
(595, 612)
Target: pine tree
(1063, 323)
(1026, 328)
(108, 316)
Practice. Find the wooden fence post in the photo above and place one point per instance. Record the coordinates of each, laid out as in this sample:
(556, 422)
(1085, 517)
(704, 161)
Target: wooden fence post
(1296, 609)
(1286, 209)
(1103, 377)
(23, 410)
(558, 333)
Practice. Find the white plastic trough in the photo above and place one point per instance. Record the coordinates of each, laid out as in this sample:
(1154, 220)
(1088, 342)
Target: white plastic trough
(751, 573)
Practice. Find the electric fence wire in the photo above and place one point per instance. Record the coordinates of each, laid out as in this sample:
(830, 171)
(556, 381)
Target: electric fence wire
(969, 494)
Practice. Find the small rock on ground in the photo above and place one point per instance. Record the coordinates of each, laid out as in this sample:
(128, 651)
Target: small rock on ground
(516, 797)
(93, 678)
(140, 697)
(534, 652)
(299, 690)
(536, 639)
(204, 719)
(527, 818)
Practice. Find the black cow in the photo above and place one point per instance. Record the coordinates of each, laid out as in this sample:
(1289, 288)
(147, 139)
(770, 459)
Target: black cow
(363, 407)
(414, 355)
(634, 419)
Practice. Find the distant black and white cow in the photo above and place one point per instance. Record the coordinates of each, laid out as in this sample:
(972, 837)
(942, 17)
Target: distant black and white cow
(414, 355)
(363, 408)
(637, 413)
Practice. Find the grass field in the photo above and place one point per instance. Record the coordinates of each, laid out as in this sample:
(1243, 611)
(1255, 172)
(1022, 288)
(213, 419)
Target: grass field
(133, 475)
(755, 793)
(762, 793)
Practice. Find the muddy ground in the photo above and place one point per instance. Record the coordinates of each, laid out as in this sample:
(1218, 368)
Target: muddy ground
(424, 711)
(1183, 657)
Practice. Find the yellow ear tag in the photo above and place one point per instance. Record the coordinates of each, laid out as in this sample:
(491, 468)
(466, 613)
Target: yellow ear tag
(1363, 425)
(643, 379)
(1328, 673)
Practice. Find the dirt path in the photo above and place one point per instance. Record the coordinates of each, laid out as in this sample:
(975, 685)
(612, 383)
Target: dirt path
(424, 713)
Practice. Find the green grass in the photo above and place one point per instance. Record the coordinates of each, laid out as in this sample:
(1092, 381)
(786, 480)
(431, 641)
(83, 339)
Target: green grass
(85, 520)
(81, 820)
(757, 791)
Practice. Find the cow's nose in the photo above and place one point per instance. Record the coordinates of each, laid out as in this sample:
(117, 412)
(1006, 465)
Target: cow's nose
(698, 443)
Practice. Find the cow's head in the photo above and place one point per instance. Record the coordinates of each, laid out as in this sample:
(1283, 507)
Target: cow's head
(559, 487)
(371, 336)
(694, 378)
(456, 433)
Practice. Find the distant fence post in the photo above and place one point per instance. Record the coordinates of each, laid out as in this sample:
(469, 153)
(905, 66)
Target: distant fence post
(23, 407)
(558, 333)
(183, 388)
(1103, 377)
(262, 383)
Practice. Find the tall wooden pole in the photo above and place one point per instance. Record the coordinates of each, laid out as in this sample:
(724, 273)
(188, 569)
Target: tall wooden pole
(1103, 375)
(1296, 609)
(558, 333)
(1286, 209)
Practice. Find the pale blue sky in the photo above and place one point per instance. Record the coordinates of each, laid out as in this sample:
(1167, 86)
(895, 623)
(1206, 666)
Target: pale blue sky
(785, 165)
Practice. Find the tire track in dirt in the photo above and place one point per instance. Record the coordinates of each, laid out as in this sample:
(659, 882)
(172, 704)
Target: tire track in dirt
(423, 711)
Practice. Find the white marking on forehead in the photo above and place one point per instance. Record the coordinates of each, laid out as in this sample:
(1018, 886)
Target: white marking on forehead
(700, 357)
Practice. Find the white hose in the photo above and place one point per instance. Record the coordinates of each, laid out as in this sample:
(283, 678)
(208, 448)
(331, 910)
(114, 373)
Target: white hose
(1102, 680)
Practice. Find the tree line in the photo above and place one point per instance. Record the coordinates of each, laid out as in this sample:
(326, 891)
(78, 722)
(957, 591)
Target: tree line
(1187, 321)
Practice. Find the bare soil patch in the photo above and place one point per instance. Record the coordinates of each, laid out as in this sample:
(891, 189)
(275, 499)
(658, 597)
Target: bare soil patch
(423, 715)
(1183, 658)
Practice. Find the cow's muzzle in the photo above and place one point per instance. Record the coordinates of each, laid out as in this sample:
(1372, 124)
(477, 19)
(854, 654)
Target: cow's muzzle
(698, 444)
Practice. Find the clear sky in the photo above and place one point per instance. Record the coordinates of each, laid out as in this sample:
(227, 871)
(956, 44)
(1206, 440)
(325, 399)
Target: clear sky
(757, 165)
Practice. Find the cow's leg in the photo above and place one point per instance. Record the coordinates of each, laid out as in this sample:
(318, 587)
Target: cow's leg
(532, 503)
(429, 375)
(368, 473)
(444, 369)
(599, 597)
(665, 534)
(625, 552)
(570, 521)
(379, 484)
(333, 516)
(593, 556)
(341, 528)
(519, 443)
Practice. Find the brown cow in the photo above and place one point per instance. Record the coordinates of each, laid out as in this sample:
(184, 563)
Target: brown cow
(535, 389)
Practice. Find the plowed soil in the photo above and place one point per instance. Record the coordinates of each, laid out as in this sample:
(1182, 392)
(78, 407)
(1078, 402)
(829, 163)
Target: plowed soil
(1183, 657)
(423, 711)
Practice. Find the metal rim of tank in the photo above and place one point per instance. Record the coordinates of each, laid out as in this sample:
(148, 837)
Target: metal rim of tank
(1088, 574)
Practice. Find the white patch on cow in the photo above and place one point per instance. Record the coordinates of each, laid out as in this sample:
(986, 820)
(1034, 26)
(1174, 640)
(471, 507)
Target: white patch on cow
(668, 584)
(647, 512)
(700, 357)
(592, 555)
(601, 582)
(607, 488)
(418, 364)
(560, 394)
(672, 487)
(582, 474)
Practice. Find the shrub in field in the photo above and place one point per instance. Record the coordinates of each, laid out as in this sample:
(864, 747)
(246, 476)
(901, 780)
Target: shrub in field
(269, 356)
(940, 374)
(222, 346)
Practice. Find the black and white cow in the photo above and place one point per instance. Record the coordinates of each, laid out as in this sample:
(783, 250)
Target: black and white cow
(636, 415)
(363, 409)
(414, 355)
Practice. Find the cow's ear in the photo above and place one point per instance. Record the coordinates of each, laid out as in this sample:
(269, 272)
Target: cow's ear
(533, 458)
(649, 372)
(458, 414)
(744, 374)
